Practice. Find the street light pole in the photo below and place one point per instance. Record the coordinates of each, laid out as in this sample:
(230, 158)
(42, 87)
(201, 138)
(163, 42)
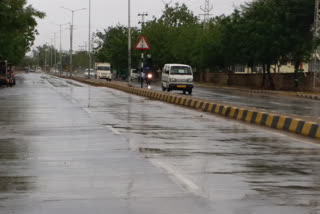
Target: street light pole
(55, 54)
(71, 35)
(129, 43)
(89, 42)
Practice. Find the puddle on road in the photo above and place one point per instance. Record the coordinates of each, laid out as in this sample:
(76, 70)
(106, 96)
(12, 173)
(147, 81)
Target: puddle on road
(74, 84)
(16, 183)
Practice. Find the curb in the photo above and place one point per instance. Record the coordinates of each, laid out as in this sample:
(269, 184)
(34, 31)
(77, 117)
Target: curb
(307, 96)
(293, 125)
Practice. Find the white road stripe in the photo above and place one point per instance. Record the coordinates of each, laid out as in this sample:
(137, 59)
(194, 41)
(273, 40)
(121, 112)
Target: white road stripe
(115, 131)
(87, 110)
(186, 183)
(73, 101)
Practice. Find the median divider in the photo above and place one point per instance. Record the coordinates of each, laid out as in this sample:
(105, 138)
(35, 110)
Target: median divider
(286, 123)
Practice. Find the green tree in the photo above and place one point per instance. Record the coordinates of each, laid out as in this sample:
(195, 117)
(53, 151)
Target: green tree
(17, 28)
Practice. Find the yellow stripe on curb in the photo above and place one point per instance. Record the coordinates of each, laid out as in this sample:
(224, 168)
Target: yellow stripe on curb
(294, 125)
(204, 106)
(259, 118)
(232, 112)
(217, 109)
(240, 114)
(198, 105)
(182, 100)
(269, 120)
(192, 103)
(306, 128)
(210, 107)
(318, 133)
(281, 122)
(224, 111)
(177, 100)
(249, 116)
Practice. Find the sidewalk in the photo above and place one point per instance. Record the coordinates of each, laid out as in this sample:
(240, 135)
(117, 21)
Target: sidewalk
(308, 95)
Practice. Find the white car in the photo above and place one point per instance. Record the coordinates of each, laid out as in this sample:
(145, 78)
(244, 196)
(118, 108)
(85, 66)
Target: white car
(134, 74)
(92, 73)
(177, 77)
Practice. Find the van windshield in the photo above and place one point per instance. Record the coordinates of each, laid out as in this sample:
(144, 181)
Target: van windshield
(180, 70)
(103, 68)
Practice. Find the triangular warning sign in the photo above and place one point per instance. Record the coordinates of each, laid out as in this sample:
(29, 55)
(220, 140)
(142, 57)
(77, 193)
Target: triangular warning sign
(142, 44)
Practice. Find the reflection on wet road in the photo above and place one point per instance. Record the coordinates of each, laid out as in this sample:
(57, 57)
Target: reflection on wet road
(282, 104)
(70, 148)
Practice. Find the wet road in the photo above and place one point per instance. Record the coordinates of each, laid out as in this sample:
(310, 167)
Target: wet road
(66, 147)
(282, 104)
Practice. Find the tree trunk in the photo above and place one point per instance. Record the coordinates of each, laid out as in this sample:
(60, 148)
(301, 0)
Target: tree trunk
(296, 69)
(271, 83)
(263, 76)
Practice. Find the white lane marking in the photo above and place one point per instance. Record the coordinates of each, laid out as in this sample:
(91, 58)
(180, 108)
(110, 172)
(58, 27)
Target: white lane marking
(115, 131)
(276, 103)
(186, 183)
(87, 110)
(73, 101)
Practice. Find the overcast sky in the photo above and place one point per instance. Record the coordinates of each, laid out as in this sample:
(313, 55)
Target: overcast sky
(106, 13)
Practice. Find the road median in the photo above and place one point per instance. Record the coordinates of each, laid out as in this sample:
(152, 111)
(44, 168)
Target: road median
(258, 117)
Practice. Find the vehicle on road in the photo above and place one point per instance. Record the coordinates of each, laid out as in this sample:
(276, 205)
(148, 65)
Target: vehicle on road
(38, 70)
(6, 74)
(103, 71)
(134, 74)
(3, 73)
(177, 77)
(149, 77)
(92, 73)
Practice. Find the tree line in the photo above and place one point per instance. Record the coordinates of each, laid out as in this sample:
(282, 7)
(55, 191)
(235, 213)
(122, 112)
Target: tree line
(259, 33)
(17, 29)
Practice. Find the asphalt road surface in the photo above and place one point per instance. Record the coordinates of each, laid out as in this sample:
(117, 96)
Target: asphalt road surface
(66, 147)
(282, 104)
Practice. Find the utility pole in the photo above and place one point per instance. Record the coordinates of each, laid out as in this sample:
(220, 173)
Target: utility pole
(45, 59)
(71, 35)
(89, 42)
(167, 3)
(129, 43)
(316, 34)
(206, 12)
(143, 15)
(55, 54)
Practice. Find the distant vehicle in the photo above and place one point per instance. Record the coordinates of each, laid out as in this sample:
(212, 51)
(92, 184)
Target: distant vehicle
(31, 70)
(38, 70)
(3, 73)
(177, 77)
(92, 73)
(103, 71)
(134, 74)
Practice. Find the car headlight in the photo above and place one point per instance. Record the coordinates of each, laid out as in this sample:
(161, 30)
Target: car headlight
(190, 80)
(173, 80)
(149, 76)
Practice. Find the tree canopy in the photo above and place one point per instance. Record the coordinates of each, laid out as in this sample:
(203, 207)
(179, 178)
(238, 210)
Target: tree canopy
(260, 32)
(17, 29)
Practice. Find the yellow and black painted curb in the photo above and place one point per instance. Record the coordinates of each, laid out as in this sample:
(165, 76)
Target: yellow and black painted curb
(300, 127)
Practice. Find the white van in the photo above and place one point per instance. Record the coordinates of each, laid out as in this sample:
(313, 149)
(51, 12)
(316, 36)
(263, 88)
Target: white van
(177, 77)
(103, 71)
